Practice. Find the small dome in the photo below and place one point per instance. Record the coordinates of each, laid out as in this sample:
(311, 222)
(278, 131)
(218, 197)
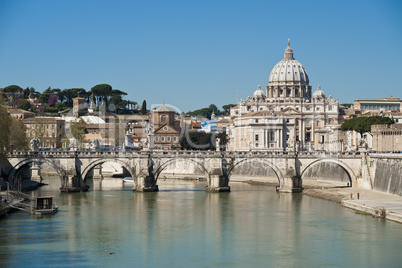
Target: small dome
(259, 93)
(288, 69)
(319, 93)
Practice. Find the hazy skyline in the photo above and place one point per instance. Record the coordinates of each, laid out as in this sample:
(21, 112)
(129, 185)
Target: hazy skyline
(194, 53)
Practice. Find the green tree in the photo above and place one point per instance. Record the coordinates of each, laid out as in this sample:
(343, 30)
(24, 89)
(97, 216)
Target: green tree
(102, 92)
(44, 97)
(24, 105)
(223, 140)
(5, 133)
(78, 130)
(226, 108)
(144, 107)
(18, 139)
(12, 88)
(66, 96)
(26, 93)
(197, 140)
(363, 124)
(206, 112)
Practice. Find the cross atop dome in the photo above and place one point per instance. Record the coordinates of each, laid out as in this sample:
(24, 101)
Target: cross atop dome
(288, 52)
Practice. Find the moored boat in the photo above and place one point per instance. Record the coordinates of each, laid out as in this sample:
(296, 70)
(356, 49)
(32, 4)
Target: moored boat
(128, 180)
(44, 205)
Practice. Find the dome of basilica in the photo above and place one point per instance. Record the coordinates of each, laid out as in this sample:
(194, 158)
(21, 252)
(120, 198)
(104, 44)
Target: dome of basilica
(259, 93)
(288, 70)
(319, 93)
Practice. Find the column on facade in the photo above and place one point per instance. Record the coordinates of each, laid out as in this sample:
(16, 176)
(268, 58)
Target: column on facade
(299, 132)
(303, 130)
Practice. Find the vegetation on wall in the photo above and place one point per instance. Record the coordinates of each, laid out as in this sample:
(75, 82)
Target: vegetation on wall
(200, 140)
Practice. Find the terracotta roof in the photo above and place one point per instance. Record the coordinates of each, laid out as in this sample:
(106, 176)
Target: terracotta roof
(42, 119)
(164, 108)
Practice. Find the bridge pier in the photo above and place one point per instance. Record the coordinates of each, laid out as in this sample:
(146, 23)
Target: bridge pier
(97, 177)
(72, 183)
(218, 181)
(291, 184)
(35, 173)
(145, 184)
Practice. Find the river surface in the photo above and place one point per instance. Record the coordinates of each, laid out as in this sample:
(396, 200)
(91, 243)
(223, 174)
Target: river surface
(184, 226)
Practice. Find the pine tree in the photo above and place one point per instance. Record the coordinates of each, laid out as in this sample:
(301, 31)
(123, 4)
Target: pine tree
(144, 107)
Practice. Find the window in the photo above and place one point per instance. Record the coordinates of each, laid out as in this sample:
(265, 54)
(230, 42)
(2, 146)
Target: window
(271, 136)
(256, 120)
(163, 119)
(168, 138)
(256, 137)
(307, 136)
(174, 138)
(163, 138)
(156, 138)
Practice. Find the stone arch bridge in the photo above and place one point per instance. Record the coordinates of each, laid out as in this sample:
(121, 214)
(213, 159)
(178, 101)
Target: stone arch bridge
(145, 167)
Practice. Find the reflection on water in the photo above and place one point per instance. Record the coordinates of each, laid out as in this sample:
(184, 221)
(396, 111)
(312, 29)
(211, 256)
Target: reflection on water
(183, 225)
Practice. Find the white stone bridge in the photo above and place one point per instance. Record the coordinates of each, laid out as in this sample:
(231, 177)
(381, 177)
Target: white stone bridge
(74, 167)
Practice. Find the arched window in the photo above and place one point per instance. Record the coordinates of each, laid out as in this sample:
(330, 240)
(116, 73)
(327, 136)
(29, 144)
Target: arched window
(163, 119)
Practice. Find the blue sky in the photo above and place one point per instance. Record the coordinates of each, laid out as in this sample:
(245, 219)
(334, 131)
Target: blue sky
(194, 53)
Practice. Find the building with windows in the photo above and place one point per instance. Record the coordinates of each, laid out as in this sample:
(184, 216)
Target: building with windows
(20, 114)
(263, 131)
(49, 130)
(78, 106)
(209, 126)
(166, 128)
(288, 95)
(387, 138)
(392, 104)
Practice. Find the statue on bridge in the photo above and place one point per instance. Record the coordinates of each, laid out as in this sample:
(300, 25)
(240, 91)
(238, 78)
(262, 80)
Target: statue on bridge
(35, 144)
(217, 144)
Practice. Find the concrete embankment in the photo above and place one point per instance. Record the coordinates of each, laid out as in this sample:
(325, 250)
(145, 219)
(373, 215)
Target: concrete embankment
(371, 202)
(5, 210)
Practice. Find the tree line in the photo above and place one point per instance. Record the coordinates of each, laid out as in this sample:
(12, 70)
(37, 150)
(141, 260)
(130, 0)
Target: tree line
(211, 109)
(53, 100)
(363, 124)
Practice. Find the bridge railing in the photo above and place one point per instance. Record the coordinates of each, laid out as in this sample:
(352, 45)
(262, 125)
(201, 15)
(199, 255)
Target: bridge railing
(181, 153)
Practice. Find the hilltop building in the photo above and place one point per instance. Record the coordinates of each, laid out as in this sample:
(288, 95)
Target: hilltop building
(287, 113)
(78, 106)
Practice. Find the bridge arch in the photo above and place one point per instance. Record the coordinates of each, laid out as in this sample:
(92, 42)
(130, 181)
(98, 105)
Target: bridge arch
(263, 163)
(165, 164)
(60, 171)
(346, 168)
(90, 166)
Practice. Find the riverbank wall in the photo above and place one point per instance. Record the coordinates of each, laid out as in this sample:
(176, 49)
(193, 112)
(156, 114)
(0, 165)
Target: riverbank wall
(386, 172)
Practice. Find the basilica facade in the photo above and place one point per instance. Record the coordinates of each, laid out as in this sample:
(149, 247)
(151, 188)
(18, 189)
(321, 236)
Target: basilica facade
(288, 116)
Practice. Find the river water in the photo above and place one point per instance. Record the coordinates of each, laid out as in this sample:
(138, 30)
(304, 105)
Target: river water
(183, 226)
